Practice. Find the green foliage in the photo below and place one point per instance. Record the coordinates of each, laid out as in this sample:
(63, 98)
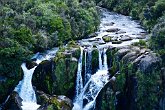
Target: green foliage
(141, 43)
(148, 90)
(29, 26)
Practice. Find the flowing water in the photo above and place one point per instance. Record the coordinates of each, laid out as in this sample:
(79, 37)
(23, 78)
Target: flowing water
(88, 64)
(86, 99)
(25, 88)
(85, 96)
(79, 82)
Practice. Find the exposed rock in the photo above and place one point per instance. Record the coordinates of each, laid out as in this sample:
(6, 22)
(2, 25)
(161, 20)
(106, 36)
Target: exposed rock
(149, 63)
(30, 64)
(162, 100)
(107, 38)
(3, 79)
(140, 37)
(120, 32)
(121, 52)
(113, 30)
(57, 76)
(93, 35)
(14, 102)
(129, 57)
(54, 102)
(137, 60)
(114, 38)
(109, 24)
(125, 38)
(136, 49)
(116, 42)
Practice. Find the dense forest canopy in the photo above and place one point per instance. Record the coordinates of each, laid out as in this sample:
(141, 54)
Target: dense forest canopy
(30, 26)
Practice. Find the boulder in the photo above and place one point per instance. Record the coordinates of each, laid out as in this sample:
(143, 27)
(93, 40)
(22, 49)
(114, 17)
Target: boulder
(114, 38)
(121, 32)
(109, 24)
(107, 39)
(58, 75)
(31, 64)
(149, 63)
(121, 52)
(125, 38)
(113, 30)
(13, 102)
(129, 57)
(116, 42)
(93, 35)
(53, 102)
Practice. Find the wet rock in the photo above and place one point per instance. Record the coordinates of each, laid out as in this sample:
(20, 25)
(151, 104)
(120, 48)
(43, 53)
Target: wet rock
(125, 38)
(107, 38)
(140, 37)
(31, 64)
(58, 75)
(3, 79)
(93, 35)
(116, 42)
(53, 102)
(14, 102)
(109, 24)
(149, 63)
(98, 39)
(112, 30)
(114, 38)
(120, 32)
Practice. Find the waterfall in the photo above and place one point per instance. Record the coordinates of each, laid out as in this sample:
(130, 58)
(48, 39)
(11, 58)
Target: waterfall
(25, 88)
(86, 77)
(87, 98)
(100, 59)
(79, 81)
(105, 65)
(88, 66)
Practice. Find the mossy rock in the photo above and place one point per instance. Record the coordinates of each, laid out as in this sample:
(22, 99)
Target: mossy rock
(58, 75)
(95, 60)
(53, 102)
(107, 39)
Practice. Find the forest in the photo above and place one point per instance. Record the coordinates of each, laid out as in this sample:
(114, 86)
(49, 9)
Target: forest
(31, 26)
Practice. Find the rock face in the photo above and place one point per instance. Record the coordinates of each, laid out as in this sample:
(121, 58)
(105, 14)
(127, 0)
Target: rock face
(14, 102)
(58, 75)
(8, 83)
(135, 86)
(54, 102)
(149, 63)
(162, 100)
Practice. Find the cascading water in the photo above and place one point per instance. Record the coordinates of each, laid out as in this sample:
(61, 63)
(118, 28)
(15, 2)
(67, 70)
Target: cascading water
(25, 88)
(105, 65)
(88, 66)
(86, 99)
(79, 81)
(100, 60)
